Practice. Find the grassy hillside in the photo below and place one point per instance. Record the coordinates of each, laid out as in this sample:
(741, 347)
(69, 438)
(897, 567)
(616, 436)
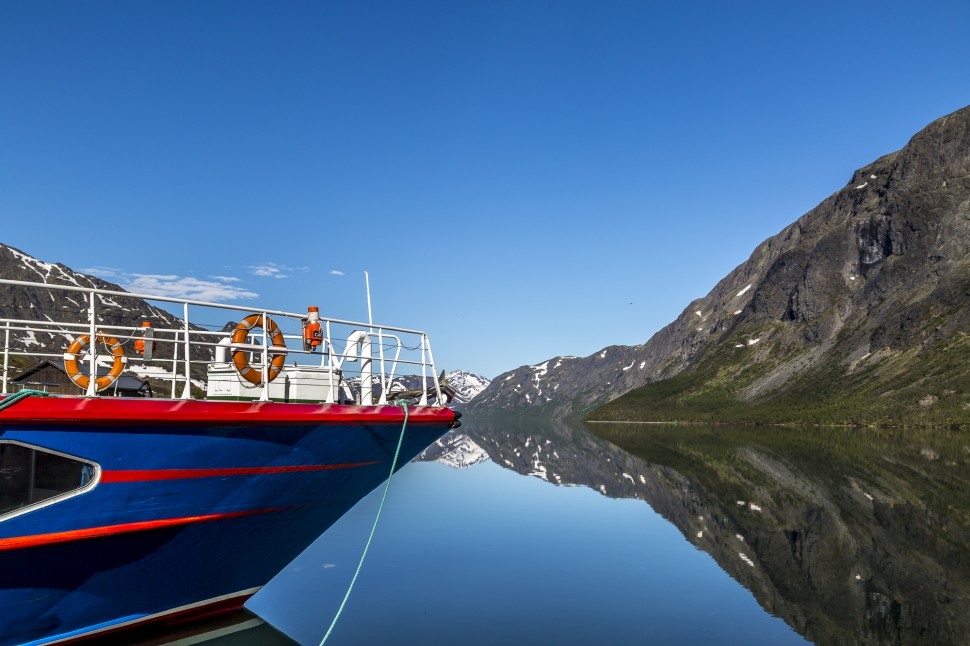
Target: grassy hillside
(926, 385)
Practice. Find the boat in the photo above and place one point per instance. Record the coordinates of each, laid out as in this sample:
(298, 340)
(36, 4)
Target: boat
(117, 512)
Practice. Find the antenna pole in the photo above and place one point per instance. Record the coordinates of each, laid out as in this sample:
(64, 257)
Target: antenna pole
(370, 317)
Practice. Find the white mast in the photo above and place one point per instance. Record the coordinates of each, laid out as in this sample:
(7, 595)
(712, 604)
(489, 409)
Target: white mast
(370, 317)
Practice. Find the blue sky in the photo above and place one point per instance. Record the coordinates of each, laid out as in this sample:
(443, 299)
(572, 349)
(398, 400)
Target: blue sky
(521, 179)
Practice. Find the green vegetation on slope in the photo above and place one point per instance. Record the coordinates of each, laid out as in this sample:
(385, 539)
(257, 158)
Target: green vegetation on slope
(927, 385)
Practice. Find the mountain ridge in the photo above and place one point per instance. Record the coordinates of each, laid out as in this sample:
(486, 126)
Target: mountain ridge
(875, 273)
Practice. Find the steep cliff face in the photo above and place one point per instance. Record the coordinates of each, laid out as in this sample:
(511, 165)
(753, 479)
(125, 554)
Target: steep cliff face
(872, 278)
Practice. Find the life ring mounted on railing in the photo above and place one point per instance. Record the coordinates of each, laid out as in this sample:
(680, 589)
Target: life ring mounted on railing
(78, 346)
(240, 357)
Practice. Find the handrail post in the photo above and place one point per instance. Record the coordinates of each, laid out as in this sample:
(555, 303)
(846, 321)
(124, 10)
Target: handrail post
(384, 382)
(175, 363)
(434, 372)
(331, 398)
(187, 391)
(265, 370)
(93, 348)
(424, 373)
(6, 356)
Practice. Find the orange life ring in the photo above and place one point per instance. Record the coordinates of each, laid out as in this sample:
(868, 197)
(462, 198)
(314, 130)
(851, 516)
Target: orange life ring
(240, 358)
(77, 347)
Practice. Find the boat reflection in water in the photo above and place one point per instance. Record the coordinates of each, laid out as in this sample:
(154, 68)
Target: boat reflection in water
(237, 628)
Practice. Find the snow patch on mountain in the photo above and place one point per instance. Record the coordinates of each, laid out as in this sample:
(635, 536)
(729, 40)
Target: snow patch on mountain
(467, 385)
(455, 450)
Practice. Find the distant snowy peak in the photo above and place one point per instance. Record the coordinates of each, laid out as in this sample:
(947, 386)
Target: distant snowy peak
(455, 450)
(562, 385)
(466, 384)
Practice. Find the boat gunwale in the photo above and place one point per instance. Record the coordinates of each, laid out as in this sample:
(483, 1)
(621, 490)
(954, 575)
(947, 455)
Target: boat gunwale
(84, 411)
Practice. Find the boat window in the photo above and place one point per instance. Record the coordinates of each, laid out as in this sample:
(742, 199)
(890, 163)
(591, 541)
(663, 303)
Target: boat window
(30, 475)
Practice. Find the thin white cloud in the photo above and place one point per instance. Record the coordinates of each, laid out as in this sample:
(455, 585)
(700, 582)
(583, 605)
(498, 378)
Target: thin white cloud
(274, 270)
(185, 287)
(226, 279)
(268, 270)
(101, 272)
(336, 272)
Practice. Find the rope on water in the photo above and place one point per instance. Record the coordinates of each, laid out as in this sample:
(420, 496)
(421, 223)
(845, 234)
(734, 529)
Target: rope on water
(397, 453)
(10, 400)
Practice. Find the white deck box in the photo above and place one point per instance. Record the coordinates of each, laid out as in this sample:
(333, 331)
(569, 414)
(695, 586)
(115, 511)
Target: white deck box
(294, 384)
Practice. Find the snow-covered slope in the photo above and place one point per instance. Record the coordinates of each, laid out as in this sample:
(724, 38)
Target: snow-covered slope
(28, 303)
(466, 384)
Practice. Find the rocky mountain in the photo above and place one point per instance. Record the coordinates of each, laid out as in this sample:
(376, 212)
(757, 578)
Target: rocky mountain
(29, 304)
(569, 386)
(467, 385)
(856, 312)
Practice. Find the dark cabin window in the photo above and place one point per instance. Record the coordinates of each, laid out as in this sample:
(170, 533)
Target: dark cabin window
(30, 475)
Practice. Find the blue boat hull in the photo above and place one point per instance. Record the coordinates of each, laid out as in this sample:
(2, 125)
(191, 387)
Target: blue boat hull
(184, 517)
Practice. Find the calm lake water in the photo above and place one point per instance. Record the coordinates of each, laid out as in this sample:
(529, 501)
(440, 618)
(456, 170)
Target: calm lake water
(621, 534)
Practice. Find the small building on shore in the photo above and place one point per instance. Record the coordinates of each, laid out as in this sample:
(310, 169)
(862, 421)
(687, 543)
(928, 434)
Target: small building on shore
(52, 378)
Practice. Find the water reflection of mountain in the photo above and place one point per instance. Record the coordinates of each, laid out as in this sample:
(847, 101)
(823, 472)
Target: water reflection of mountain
(852, 536)
(454, 449)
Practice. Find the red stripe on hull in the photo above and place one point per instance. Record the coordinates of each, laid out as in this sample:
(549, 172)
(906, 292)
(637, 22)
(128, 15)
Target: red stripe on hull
(152, 412)
(134, 475)
(22, 542)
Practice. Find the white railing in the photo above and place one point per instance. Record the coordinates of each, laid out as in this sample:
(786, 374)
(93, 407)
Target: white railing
(400, 350)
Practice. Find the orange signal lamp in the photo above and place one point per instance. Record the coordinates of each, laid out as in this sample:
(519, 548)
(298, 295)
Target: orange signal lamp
(312, 332)
(140, 343)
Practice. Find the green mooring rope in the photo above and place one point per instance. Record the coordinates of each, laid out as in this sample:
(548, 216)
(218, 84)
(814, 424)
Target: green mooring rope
(10, 400)
(397, 453)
